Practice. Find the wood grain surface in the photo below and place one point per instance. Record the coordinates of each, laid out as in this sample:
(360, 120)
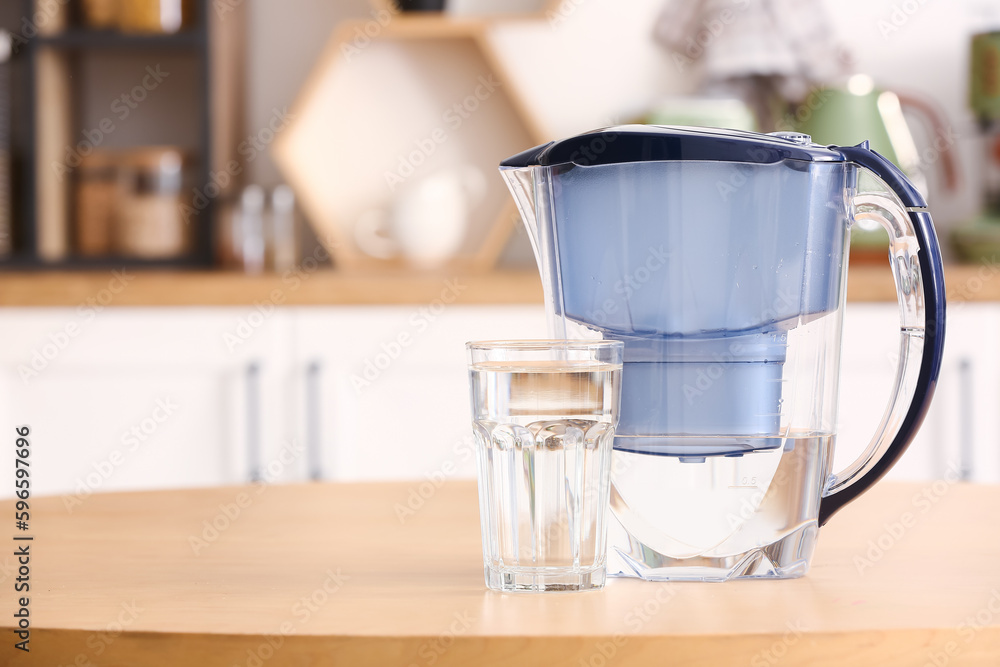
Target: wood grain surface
(337, 574)
(866, 283)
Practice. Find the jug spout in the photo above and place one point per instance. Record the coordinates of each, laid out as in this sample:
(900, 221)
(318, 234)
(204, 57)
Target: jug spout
(520, 182)
(521, 172)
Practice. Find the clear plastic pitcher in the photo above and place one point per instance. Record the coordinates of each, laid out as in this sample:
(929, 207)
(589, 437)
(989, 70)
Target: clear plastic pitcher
(719, 259)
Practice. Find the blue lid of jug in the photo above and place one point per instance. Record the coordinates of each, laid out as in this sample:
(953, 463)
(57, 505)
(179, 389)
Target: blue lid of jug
(647, 143)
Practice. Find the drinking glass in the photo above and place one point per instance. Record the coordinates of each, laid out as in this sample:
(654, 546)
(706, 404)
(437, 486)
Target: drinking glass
(544, 416)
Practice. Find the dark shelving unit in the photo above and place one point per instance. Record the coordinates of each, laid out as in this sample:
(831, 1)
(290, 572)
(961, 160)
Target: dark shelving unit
(73, 43)
(81, 38)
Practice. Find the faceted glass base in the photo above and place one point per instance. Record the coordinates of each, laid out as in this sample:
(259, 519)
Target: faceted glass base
(788, 558)
(544, 580)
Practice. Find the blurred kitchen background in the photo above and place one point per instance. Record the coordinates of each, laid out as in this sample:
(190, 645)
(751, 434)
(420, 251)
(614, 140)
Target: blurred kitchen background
(247, 239)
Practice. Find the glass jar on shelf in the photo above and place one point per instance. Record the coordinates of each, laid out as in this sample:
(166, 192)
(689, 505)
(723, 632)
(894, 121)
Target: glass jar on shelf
(149, 214)
(157, 16)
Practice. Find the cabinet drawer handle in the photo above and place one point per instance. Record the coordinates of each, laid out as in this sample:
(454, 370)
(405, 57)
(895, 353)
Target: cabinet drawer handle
(252, 382)
(966, 450)
(313, 429)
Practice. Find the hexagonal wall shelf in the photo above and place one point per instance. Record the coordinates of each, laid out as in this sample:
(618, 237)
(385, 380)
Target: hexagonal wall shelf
(389, 106)
(492, 9)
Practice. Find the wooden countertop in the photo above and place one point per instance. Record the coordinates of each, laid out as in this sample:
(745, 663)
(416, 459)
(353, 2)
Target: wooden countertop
(318, 288)
(328, 574)
(225, 288)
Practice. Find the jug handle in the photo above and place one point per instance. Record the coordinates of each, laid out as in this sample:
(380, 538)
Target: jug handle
(915, 258)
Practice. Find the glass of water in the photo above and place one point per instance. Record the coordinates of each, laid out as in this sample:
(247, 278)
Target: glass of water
(544, 416)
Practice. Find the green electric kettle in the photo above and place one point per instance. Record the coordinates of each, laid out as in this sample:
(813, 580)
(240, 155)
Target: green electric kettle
(859, 111)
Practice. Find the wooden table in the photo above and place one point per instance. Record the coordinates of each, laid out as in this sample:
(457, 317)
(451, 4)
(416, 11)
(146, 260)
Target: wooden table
(337, 574)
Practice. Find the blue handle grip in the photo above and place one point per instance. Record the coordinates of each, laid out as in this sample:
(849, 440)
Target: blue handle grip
(932, 284)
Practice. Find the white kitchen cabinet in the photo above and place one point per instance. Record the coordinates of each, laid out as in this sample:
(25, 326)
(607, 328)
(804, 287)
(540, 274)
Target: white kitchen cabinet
(370, 392)
(385, 389)
(141, 397)
(962, 428)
